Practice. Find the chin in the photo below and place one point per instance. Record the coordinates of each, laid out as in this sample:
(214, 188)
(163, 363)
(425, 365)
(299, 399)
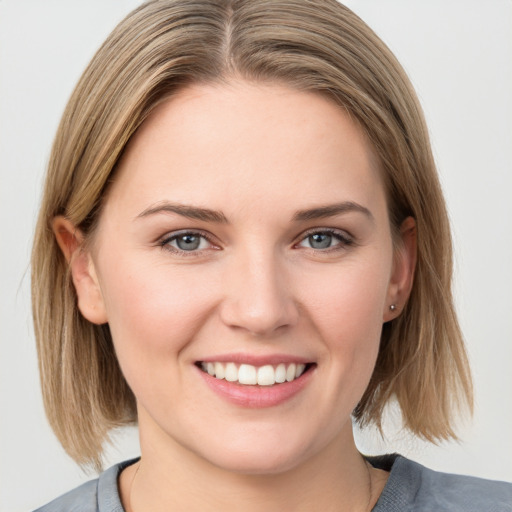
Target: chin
(253, 457)
(258, 463)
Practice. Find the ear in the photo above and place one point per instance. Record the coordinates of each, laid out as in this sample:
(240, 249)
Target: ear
(404, 264)
(83, 273)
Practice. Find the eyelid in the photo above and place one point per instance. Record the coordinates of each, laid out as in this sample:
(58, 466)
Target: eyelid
(164, 241)
(334, 231)
(343, 236)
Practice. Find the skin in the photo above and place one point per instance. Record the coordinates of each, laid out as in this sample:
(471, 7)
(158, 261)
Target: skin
(259, 286)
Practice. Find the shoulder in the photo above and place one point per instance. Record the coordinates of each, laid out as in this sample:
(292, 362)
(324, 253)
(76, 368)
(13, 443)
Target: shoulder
(446, 491)
(412, 487)
(83, 499)
(99, 495)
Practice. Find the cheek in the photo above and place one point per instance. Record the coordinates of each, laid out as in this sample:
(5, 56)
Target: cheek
(349, 295)
(346, 308)
(153, 312)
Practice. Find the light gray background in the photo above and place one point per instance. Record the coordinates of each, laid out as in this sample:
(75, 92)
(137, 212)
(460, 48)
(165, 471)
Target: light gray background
(458, 55)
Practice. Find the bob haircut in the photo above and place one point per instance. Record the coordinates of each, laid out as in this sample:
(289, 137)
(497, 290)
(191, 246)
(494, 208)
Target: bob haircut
(309, 45)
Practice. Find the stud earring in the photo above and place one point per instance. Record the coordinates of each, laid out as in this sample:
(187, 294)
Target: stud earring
(392, 307)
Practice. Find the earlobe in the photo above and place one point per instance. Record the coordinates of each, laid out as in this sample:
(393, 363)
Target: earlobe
(404, 265)
(85, 280)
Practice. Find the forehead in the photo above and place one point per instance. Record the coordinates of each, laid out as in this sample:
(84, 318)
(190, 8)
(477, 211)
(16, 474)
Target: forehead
(241, 143)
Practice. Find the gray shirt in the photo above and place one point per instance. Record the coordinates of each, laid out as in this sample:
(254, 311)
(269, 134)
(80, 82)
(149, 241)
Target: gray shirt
(410, 488)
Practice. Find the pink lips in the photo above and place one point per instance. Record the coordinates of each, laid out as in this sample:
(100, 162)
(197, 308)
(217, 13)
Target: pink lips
(253, 396)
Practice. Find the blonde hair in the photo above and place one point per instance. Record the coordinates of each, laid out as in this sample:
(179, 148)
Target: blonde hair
(311, 45)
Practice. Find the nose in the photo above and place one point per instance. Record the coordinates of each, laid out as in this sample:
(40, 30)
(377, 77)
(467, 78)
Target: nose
(259, 299)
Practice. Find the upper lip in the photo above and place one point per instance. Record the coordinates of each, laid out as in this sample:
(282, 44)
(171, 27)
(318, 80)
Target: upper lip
(256, 360)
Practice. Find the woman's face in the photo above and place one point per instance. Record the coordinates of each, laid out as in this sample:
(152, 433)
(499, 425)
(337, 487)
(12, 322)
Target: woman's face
(246, 237)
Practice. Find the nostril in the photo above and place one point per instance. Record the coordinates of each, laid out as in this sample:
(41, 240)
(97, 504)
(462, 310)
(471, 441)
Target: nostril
(257, 299)
(258, 321)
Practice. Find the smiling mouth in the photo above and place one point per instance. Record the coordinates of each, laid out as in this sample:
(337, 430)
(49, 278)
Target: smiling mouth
(249, 375)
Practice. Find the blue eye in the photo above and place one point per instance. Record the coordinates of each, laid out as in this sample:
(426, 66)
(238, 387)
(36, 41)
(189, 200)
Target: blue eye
(186, 242)
(326, 239)
(320, 240)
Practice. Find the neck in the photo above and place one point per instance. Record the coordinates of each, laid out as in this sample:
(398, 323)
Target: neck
(173, 478)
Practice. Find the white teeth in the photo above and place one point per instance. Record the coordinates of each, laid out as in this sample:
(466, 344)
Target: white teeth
(231, 373)
(266, 375)
(280, 373)
(248, 374)
(290, 372)
(220, 372)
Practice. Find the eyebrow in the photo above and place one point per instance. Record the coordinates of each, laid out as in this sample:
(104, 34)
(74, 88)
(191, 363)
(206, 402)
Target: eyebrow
(331, 210)
(192, 212)
(207, 215)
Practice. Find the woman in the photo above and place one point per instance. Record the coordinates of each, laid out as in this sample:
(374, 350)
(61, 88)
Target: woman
(242, 244)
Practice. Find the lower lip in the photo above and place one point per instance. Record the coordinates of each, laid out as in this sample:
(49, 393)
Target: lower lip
(257, 397)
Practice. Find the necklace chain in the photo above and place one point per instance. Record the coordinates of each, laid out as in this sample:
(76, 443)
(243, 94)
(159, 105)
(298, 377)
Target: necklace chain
(131, 487)
(370, 490)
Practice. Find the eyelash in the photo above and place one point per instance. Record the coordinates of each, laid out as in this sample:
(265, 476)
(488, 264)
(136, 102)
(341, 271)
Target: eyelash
(164, 243)
(344, 239)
